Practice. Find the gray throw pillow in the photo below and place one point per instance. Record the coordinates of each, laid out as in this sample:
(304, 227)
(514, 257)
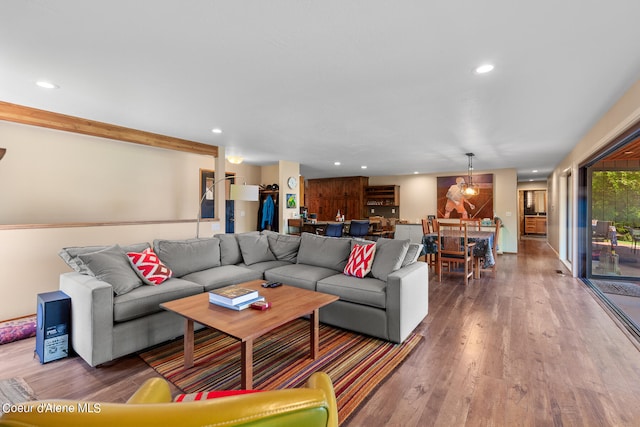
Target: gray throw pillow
(188, 256)
(229, 249)
(389, 256)
(321, 251)
(413, 253)
(111, 265)
(284, 247)
(70, 254)
(255, 248)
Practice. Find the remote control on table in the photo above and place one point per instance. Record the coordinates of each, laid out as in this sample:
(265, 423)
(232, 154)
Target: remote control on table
(271, 284)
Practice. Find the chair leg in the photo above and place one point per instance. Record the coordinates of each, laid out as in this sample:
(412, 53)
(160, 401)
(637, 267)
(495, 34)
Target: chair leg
(477, 267)
(466, 271)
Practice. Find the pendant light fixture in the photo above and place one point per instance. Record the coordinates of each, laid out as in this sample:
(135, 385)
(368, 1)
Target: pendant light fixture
(469, 188)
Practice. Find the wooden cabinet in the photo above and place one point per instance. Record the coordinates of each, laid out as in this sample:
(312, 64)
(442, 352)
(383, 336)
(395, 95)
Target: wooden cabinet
(535, 225)
(382, 200)
(326, 196)
(382, 195)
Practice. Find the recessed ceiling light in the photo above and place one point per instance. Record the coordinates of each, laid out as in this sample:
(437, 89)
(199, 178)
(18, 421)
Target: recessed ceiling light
(216, 130)
(337, 163)
(484, 68)
(415, 173)
(535, 171)
(363, 167)
(46, 84)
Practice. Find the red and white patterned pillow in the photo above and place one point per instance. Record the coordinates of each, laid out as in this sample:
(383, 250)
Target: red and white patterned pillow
(149, 267)
(360, 260)
(205, 395)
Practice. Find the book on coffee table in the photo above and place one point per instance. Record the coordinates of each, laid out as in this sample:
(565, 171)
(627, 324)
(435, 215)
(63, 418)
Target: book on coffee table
(239, 306)
(232, 295)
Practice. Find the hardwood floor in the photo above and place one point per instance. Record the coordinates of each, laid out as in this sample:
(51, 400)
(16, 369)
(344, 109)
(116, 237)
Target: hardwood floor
(528, 346)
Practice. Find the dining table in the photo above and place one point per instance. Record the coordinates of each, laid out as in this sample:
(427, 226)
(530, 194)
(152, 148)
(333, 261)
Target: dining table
(483, 247)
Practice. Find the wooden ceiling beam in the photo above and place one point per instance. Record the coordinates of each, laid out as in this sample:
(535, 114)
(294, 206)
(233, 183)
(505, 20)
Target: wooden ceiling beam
(32, 116)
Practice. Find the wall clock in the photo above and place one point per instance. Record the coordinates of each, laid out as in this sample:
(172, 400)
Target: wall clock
(292, 182)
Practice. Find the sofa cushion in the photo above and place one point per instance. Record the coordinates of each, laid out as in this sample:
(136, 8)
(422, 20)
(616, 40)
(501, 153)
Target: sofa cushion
(149, 267)
(266, 265)
(413, 252)
(284, 247)
(368, 291)
(229, 250)
(322, 251)
(190, 255)
(300, 275)
(146, 300)
(389, 256)
(70, 254)
(360, 260)
(254, 248)
(111, 265)
(224, 275)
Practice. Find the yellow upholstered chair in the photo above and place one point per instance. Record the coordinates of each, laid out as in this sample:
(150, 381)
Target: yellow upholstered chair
(152, 405)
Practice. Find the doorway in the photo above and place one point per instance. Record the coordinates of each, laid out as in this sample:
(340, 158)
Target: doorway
(532, 212)
(611, 218)
(207, 205)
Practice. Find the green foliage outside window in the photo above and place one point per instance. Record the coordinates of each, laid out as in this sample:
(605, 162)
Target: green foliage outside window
(616, 197)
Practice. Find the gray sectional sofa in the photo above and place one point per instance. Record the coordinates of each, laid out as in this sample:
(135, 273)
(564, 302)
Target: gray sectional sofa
(114, 313)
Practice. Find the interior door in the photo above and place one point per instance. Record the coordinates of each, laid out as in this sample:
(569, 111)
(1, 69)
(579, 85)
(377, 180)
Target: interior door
(230, 223)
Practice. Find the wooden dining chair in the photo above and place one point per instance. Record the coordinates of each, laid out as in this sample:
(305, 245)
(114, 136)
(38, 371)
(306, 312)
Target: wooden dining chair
(455, 253)
(427, 228)
(380, 228)
(434, 225)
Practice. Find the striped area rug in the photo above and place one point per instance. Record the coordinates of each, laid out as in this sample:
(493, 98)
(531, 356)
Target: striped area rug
(355, 363)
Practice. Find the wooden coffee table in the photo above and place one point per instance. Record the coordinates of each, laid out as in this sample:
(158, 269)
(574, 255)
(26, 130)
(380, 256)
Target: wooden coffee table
(288, 304)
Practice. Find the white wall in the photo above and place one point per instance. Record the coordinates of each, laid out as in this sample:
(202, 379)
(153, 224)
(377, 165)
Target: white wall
(620, 117)
(418, 198)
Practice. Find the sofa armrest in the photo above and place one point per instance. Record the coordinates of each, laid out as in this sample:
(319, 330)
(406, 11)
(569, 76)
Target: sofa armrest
(310, 406)
(91, 316)
(407, 299)
(153, 390)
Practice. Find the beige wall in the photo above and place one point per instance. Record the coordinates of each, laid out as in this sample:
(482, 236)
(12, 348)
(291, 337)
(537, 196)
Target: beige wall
(29, 261)
(535, 185)
(287, 169)
(418, 198)
(279, 174)
(54, 177)
(622, 115)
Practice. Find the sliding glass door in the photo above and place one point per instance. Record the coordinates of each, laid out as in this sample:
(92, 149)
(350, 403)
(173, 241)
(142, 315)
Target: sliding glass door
(615, 218)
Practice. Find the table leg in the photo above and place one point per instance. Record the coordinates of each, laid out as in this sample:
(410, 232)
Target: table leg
(314, 332)
(188, 343)
(247, 364)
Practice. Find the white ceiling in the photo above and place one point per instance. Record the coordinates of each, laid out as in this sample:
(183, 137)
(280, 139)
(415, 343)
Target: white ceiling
(387, 84)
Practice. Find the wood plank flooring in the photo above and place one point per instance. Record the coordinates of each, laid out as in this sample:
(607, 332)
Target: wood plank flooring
(526, 346)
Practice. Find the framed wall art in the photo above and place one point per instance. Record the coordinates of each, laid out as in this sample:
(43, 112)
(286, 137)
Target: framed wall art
(452, 203)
